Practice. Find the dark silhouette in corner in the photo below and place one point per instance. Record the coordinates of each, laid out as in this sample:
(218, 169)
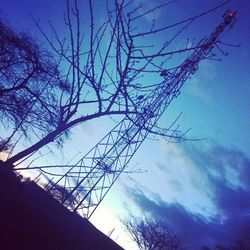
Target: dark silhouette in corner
(31, 219)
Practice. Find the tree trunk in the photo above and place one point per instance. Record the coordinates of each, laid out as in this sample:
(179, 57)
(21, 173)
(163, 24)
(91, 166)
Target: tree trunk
(54, 134)
(44, 141)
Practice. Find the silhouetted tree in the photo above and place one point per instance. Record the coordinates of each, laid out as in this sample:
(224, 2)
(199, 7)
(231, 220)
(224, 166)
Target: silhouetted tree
(29, 77)
(103, 70)
(61, 194)
(151, 234)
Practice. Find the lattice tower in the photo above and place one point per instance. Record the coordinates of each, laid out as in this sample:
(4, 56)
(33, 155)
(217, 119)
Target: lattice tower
(83, 185)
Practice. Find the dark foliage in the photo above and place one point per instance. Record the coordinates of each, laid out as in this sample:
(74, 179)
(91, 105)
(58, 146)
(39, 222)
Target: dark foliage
(29, 78)
(150, 234)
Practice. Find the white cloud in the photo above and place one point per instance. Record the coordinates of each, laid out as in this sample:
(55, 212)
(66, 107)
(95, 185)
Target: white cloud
(185, 182)
(200, 84)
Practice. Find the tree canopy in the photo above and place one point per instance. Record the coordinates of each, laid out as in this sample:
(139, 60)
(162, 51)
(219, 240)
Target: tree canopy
(151, 234)
(29, 79)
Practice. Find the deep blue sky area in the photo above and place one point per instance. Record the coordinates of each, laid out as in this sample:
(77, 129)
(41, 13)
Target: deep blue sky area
(200, 188)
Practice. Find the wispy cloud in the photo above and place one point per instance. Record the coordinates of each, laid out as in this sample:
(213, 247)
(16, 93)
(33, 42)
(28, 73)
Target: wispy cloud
(222, 175)
(200, 84)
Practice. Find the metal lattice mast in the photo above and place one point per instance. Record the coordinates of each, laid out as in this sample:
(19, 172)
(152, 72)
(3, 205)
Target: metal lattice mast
(86, 183)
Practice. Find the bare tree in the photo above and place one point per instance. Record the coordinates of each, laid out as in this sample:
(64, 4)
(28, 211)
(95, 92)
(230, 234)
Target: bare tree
(29, 78)
(104, 69)
(59, 193)
(150, 234)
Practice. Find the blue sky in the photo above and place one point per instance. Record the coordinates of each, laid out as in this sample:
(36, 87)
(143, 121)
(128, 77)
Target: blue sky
(201, 188)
